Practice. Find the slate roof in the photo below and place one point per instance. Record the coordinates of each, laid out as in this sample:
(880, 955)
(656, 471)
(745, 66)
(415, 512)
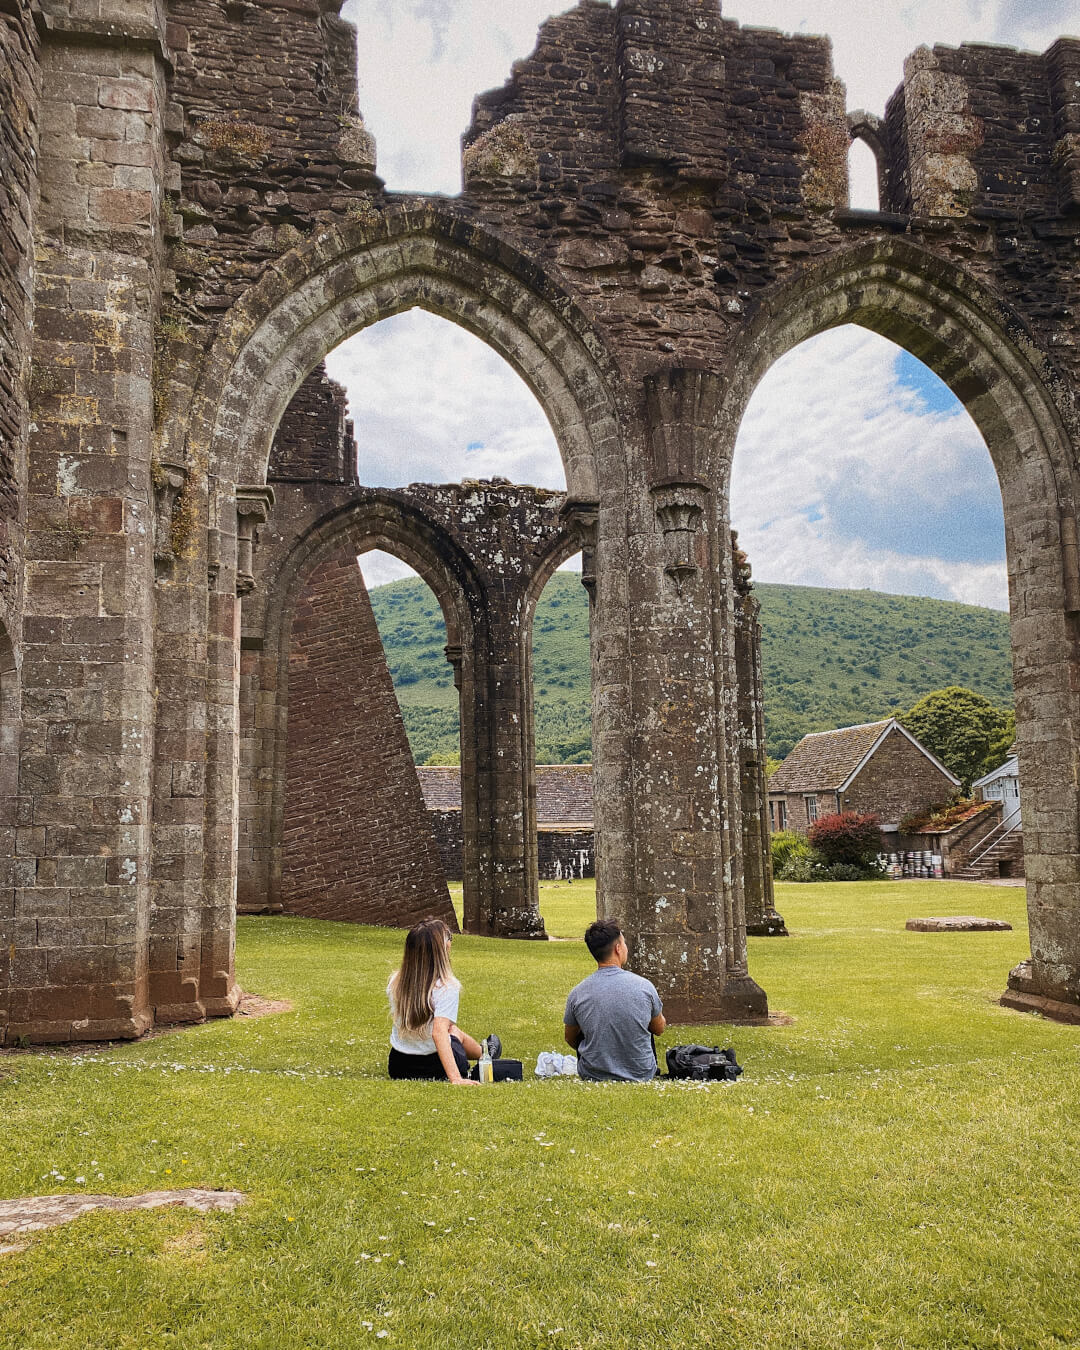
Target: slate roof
(825, 760)
(563, 792)
(441, 788)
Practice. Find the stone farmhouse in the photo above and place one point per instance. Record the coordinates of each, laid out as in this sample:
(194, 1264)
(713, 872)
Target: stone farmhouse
(878, 767)
(655, 210)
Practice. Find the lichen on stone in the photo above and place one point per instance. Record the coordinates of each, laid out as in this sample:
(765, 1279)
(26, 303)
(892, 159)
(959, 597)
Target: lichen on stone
(229, 138)
(826, 141)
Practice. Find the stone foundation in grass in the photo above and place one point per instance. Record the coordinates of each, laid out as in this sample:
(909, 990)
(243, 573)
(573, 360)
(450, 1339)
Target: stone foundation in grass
(19, 1218)
(958, 923)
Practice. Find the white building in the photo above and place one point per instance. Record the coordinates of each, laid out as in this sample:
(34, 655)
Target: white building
(1002, 785)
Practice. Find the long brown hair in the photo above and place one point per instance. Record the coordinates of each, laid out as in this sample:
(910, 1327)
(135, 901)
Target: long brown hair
(425, 964)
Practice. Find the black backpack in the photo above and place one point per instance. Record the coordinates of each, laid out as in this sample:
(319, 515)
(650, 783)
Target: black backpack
(702, 1063)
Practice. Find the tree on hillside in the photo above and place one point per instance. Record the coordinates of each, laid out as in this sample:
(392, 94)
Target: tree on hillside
(967, 732)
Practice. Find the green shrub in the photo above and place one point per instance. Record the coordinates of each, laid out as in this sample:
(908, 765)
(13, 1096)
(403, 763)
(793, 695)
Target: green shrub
(845, 872)
(800, 867)
(787, 844)
(795, 858)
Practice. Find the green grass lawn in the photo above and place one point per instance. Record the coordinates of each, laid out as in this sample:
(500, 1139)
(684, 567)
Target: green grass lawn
(897, 1167)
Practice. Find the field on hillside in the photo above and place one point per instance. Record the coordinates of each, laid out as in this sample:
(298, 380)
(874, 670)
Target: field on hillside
(895, 1168)
(831, 658)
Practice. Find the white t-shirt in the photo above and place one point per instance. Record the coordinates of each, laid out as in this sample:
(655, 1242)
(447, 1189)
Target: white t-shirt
(444, 998)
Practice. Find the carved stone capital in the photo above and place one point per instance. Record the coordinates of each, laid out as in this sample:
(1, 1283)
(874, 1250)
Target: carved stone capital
(253, 506)
(680, 509)
(454, 655)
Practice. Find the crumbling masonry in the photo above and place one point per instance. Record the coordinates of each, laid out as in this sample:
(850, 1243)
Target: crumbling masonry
(654, 211)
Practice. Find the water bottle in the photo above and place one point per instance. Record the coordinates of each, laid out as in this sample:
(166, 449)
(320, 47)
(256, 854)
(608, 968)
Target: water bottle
(487, 1072)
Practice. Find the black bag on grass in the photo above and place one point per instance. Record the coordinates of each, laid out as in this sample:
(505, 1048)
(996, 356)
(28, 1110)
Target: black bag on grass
(505, 1071)
(703, 1063)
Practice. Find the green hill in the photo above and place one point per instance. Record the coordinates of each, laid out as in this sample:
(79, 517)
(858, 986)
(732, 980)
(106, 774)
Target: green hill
(831, 658)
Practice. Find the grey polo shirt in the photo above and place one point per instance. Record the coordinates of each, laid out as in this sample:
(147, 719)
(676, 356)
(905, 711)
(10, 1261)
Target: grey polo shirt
(613, 1008)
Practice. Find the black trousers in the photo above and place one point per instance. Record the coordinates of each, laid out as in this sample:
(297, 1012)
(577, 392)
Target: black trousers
(427, 1066)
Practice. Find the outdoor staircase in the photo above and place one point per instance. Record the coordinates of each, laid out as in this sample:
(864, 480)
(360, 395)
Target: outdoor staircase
(1003, 844)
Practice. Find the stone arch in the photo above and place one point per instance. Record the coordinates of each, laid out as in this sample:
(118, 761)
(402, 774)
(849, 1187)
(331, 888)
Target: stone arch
(354, 275)
(376, 521)
(990, 361)
(349, 276)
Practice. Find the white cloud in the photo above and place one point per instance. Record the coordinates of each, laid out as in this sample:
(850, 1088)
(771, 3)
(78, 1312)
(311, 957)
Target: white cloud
(378, 568)
(433, 404)
(844, 477)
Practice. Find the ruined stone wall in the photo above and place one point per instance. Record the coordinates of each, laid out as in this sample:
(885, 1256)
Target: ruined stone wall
(357, 843)
(566, 855)
(19, 102)
(446, 827)
(314, 440)
(655, 209)
(700, 191)
(271, 142)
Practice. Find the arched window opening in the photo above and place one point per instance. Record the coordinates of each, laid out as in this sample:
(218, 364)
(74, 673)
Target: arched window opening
(443, 423)
(864, 192)
(562, 702)
(869, 506)
(431, 403)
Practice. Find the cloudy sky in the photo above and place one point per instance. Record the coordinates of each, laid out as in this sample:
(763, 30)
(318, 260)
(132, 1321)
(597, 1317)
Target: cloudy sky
(882, 481)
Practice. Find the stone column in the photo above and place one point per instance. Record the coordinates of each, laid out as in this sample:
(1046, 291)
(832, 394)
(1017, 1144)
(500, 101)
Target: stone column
(88, 670)
(762, 919)
(500, 828)
(683, 899)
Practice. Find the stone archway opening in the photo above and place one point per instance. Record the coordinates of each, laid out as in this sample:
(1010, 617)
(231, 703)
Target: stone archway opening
(940, 318)
(561, 690)
(880, 491)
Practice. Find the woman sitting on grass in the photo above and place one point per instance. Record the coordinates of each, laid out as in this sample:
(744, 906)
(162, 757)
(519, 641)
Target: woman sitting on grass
(424, 994)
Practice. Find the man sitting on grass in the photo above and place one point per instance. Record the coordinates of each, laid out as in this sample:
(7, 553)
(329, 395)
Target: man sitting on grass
(612, 1016)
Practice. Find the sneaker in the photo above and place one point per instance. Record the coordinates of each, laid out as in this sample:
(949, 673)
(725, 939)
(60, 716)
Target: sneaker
(493, 1045)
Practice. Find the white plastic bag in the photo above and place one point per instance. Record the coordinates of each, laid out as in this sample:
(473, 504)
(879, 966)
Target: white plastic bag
(551, 1064)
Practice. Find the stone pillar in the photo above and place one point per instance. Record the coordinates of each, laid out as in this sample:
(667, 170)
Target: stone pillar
(500, 829)
(88, 669)
(762, 919)
(683, 901)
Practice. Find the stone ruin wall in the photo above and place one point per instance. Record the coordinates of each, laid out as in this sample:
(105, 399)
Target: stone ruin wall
(356, 841)
(19, 99)
(314, 440)
(658, 175)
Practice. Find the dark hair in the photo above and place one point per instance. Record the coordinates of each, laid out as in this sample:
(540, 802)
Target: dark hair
(600, 938)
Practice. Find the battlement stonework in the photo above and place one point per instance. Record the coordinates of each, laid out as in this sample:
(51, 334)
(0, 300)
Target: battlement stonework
(655, 210)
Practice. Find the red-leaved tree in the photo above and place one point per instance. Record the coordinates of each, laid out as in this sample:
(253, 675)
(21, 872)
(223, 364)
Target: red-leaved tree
(849, 837)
